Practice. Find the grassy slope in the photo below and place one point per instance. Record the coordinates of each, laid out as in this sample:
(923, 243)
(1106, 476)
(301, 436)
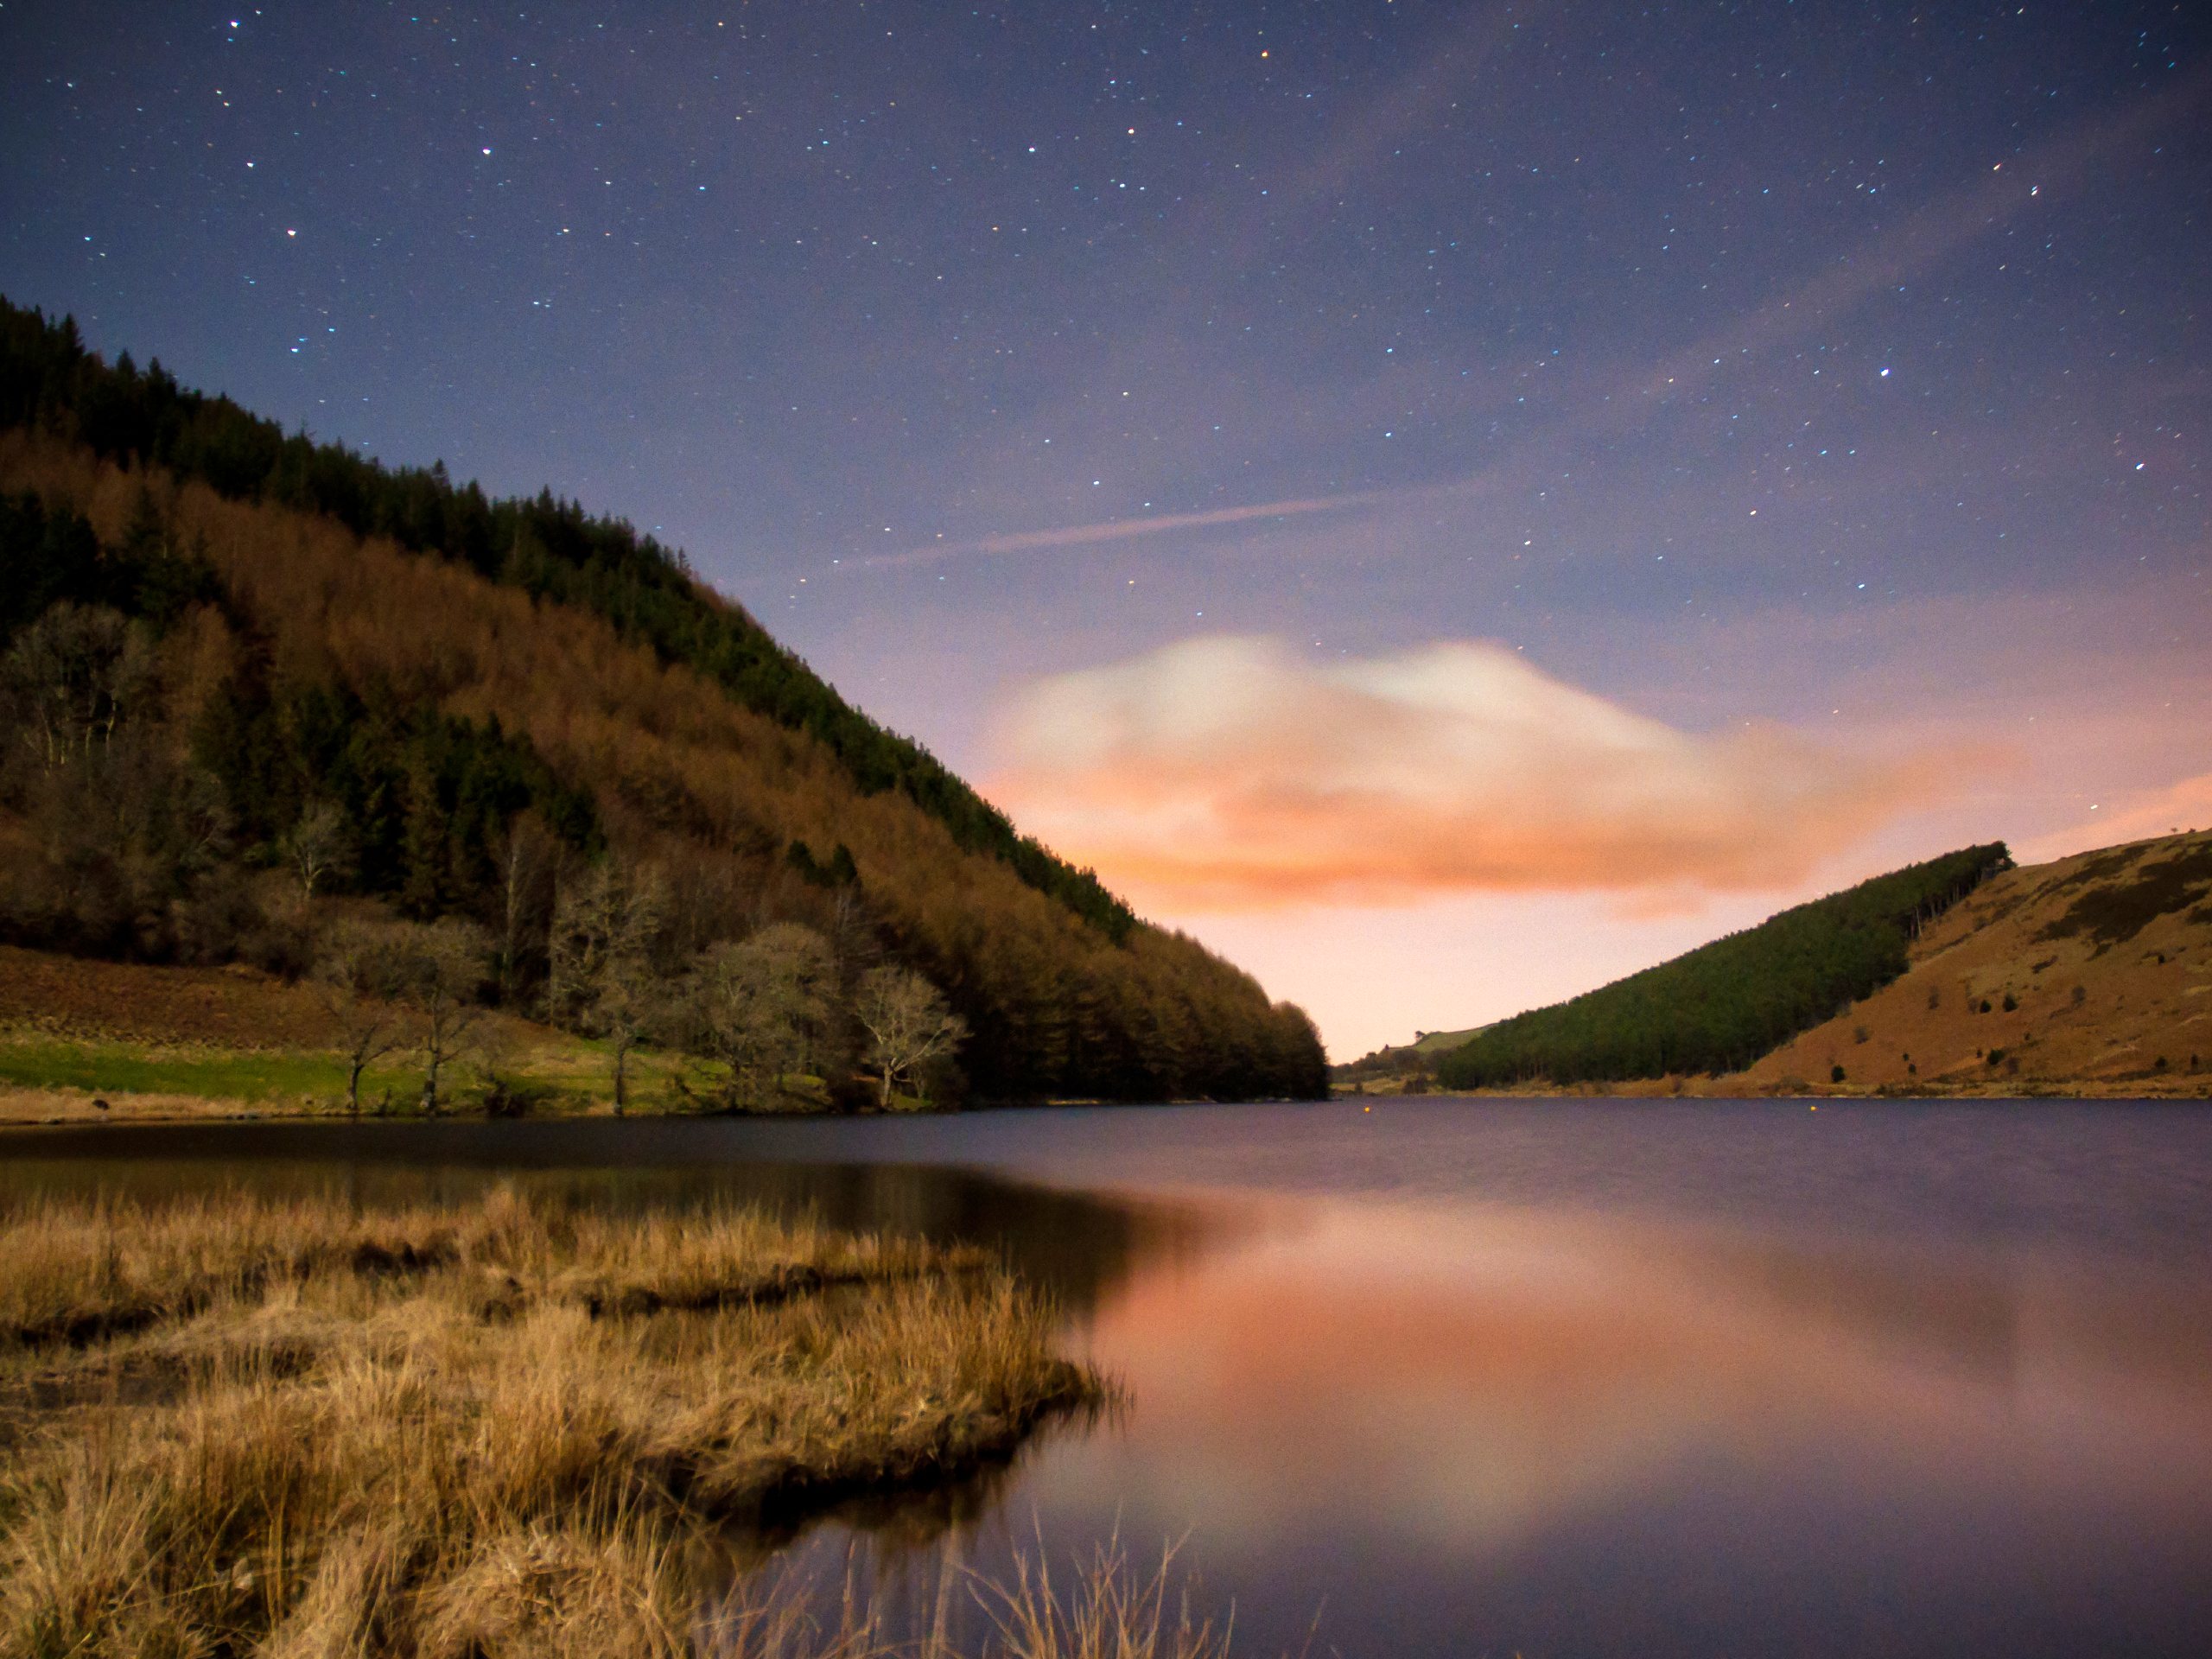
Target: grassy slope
(1393, 1063)
(167, 1042)
(1725, 1003)
(2130, 926)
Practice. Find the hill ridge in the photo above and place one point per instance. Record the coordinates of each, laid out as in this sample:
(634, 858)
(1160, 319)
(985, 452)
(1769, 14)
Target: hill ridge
(254, 621)
(543, 544)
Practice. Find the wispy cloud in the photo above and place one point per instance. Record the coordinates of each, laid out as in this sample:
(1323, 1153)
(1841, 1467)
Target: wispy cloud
(2033, 182)
(1232, 772)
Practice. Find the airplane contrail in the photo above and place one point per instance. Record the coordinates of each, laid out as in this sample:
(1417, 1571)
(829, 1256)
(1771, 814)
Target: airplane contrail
(1114, 530)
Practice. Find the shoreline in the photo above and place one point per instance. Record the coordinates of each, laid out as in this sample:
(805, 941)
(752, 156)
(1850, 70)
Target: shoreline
(233, 1421)
(56, 1108)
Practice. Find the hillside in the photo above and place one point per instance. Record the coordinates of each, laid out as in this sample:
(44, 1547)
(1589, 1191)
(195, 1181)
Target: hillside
(1403, 1061)
(258, 685)
(2091, 974)
(1720, 1007)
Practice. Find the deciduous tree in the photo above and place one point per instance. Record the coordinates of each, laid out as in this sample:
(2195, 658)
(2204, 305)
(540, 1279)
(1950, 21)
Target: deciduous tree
(444, 964)
(361, 966)
(908, 1024)
(317, 847)
(601, 977)
(762, 1005)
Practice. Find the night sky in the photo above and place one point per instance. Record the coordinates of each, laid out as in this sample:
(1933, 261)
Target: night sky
(1446, 502)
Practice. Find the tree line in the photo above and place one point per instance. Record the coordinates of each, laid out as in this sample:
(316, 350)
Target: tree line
(1718, 1008)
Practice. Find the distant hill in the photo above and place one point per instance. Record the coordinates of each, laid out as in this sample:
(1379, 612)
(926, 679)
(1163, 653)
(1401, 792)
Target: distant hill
(1721, 1007)
(1417, 1058)
(2091, 974)
(226, 645)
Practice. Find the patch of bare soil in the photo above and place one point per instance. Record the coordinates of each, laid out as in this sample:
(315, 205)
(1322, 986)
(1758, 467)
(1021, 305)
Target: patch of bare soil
(230, 1007)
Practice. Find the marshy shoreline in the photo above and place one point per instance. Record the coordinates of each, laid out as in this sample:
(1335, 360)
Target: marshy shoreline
(235, 1424)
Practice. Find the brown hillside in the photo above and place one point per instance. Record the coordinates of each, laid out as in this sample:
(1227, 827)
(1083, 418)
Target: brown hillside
(684, 775)
(2106, 957)
(234, 1006)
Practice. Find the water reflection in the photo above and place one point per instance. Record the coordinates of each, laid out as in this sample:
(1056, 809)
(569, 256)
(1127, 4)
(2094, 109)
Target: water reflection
(1076, 1247)
(1523, 1414)
(1690, 1441)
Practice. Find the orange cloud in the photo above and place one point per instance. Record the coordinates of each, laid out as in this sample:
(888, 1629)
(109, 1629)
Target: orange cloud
(1232, 772)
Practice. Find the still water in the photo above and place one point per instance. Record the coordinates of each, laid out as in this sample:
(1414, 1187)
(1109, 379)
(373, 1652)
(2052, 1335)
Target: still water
(1477, 1377)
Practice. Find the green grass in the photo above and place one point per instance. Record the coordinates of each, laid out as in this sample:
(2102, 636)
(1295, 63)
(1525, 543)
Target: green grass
(125, 1068)
(561, 1074)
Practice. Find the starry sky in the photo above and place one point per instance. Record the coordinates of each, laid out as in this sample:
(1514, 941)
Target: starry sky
(1448, 503)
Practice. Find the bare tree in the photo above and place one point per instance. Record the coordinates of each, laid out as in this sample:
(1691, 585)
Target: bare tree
(74, 676)
(318, 845)
(361, 966)
(908, 1024)
(601, 975)
(528, 861)
(852, 932)
(762, 1005)
(444, 964)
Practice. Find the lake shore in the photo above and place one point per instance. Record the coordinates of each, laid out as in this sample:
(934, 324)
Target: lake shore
(2181, 1085)
(500, 1428)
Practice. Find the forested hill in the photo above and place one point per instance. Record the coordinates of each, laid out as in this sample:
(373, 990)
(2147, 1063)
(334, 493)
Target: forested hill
(548, 547)
(1722, 1006)
(226, 648)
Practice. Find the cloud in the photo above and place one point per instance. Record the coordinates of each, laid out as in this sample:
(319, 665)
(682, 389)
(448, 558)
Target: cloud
(1232, 772)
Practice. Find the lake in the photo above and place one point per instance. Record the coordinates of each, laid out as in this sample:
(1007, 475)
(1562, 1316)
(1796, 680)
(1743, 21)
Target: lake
(1461, 1376)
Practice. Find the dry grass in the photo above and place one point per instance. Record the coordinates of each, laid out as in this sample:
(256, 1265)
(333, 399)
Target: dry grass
(2121, 1009)
(294, 1429)
(58, 1106)
(1111, 1612)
